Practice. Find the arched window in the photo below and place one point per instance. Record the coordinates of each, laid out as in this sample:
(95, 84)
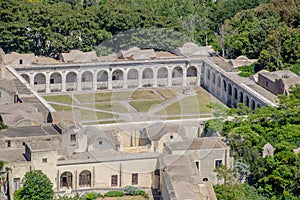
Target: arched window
(85, 179)
(66, 180)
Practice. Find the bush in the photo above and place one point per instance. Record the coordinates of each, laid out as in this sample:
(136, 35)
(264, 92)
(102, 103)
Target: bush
(92, 195)
(134, 191)
(17, 194)
(114, 193)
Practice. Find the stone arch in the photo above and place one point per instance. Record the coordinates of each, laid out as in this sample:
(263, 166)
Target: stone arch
(148, 73)
(71, 80)
(177, 75)
(191, 71)
(102, 79)
(71, 77)
(224, 85)
(87, 76)
(219, 81)
(258, 105)
(26, 77)
(117, 75)
(87, 80)
(177, 72)
(252, 104)
(39, 78)
(55, 77)
(162, 76)
(55, 81)
(117, 78)
(241, 97)
(162, 72)
(229, 89)
(214, 78)
(247, 101)
(147, 77)
(66, 180)
(85, 179)
(132, 74)
(102, 76)
(235, 93)
(133, 78)
(208, 74)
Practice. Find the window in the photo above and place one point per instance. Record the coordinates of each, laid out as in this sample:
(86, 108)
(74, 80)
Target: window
(66, 180)
(218, 163)
(8, 144)
(21, 61)
(16, 183)
(85, 179)
(114, 180)
(197, 165)
(171, 137)
(267, 84)
(100, 142)
(135, 179)
(208, 74)
(23, 143)
(44, 160)
(73, 139)
(205, 179)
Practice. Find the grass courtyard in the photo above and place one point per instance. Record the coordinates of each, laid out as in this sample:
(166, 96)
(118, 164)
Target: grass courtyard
(108, 107)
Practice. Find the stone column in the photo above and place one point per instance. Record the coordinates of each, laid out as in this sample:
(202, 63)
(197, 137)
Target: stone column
(155, 70)
(95, 80)
(47, 82)
(198, 75)
(184, 75)
(140, 85)
(63, 81)
(169, 76)
(109, 79)
(125, 83)
(79, 81)
(31, 77)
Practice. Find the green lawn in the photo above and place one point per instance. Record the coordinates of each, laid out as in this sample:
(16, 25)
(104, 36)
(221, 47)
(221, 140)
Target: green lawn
(61, 108)
(59, 98)
(189, 105)
(92, 115)
(111, 106)
(167, 93)
(144, 106)
(144, 94)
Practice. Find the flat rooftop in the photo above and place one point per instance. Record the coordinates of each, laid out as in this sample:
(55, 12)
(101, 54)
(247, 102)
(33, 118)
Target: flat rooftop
(28, 131)
(199, 143)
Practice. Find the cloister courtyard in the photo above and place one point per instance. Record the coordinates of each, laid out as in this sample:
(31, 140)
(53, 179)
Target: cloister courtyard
(134, 105)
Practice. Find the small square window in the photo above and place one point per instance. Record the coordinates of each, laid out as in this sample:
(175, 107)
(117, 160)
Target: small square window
(218, 163)
(44, 160)
(100, 142)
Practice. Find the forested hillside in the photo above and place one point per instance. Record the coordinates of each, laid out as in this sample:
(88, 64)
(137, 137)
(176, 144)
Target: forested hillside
(264, 29)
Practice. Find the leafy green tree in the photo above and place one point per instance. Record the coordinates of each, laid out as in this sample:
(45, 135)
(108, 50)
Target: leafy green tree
(36, 186)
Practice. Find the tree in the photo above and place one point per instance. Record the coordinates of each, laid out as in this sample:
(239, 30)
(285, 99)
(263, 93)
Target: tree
(36, 186)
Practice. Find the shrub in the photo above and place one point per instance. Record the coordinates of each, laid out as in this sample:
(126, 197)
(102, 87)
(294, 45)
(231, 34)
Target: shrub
(17, 194)
(130, 190)
(92, 195)
(114, 193)
(134, 191)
